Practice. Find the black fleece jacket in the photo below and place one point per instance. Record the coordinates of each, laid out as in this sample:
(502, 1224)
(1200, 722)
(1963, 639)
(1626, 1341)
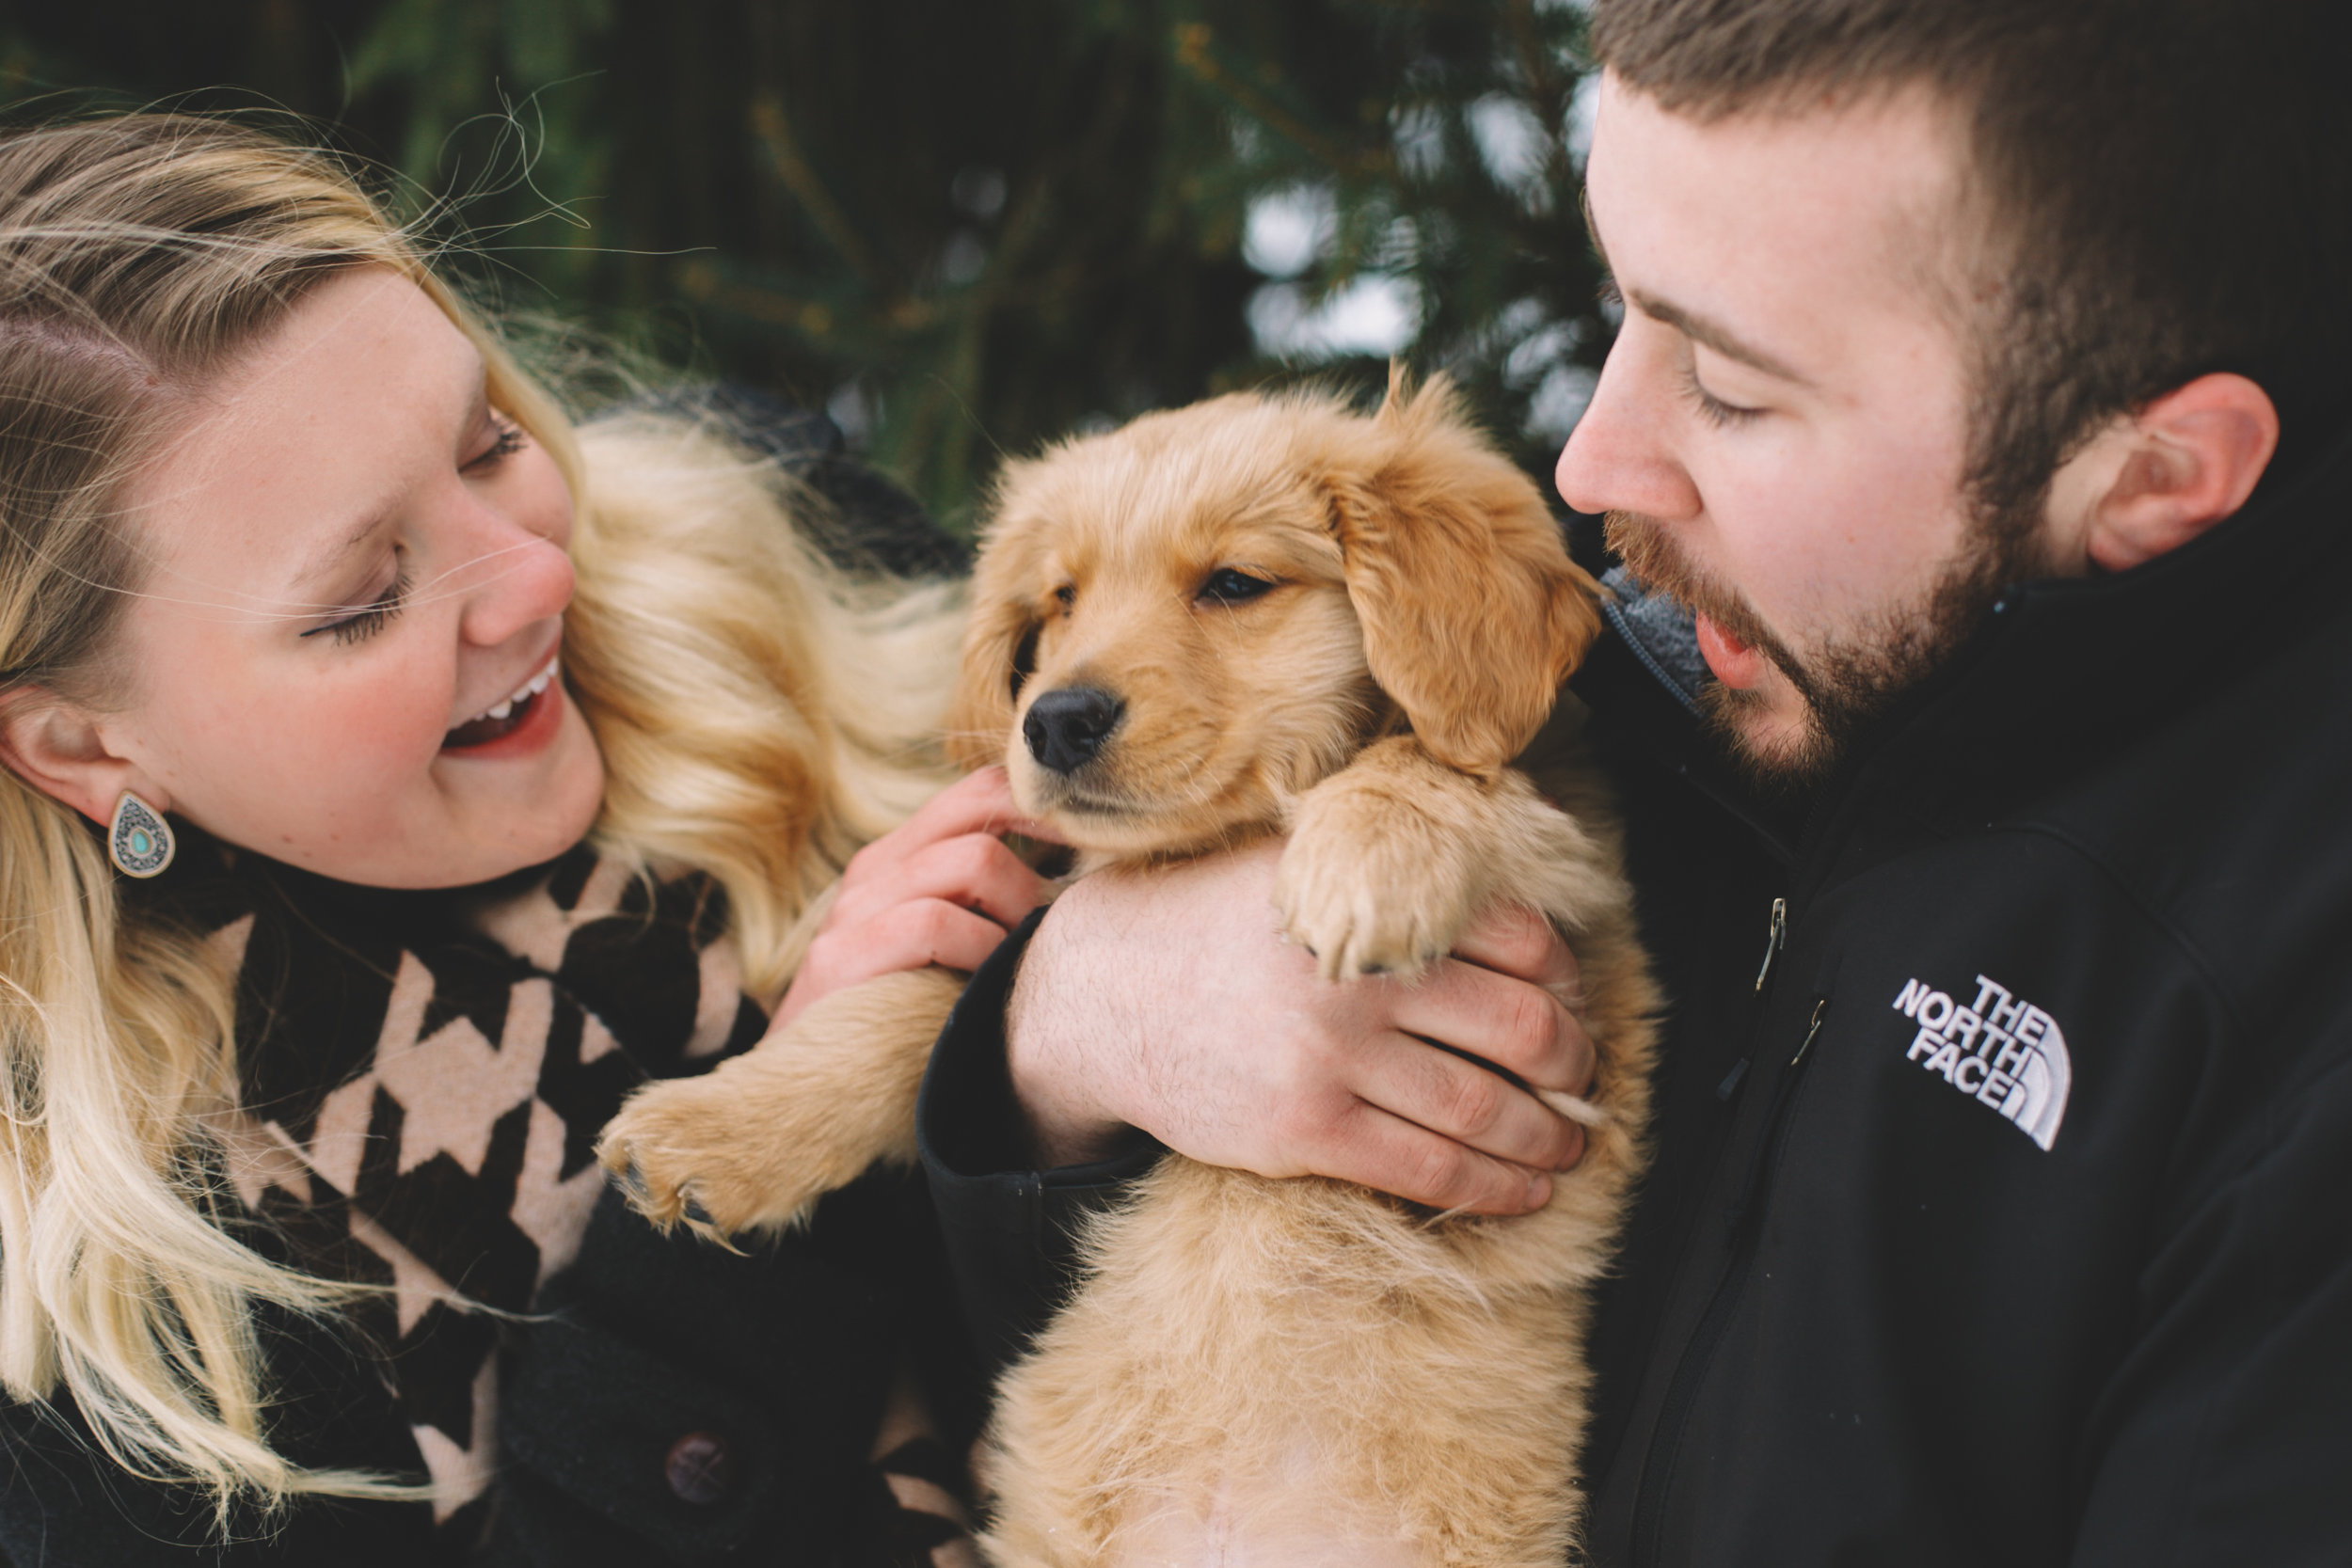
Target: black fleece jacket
(2004, 1219)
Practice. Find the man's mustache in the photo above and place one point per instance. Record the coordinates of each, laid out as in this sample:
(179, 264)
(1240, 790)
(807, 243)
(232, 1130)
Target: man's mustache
(1651, 553)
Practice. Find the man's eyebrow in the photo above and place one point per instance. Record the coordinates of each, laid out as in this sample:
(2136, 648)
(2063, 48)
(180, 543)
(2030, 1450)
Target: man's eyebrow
(1695, 328)
(1701, 330)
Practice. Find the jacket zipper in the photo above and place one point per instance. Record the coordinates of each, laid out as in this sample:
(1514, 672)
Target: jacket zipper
(1778, 934)
(1775, 938)
(1741, 1219)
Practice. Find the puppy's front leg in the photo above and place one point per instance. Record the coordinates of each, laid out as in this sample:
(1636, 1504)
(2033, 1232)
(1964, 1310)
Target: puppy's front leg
(1391, 857)
(757, 1140)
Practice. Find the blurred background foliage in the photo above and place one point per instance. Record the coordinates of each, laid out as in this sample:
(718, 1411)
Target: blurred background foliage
(961, 226)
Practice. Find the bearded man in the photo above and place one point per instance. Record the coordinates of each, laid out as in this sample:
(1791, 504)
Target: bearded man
(1977, 452)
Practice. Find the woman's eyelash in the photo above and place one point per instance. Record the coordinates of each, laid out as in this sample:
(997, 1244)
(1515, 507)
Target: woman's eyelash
(1714, 410)
(511, 440)
(364, 624)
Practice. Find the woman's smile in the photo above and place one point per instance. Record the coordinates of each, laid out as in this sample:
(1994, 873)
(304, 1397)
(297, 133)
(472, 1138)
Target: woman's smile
(525, 721)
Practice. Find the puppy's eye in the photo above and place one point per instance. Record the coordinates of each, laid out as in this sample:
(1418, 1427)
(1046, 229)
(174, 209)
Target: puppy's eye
(1228, 586)
(1066, 595)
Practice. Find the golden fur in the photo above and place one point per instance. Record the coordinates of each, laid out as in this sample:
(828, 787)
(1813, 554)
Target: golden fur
(1271, 1372)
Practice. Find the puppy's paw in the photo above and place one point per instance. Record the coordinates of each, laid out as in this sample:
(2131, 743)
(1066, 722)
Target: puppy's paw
(696, 1150)
(1372, 883)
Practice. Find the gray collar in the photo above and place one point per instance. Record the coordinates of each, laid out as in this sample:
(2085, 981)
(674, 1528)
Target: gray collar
(1661, 634)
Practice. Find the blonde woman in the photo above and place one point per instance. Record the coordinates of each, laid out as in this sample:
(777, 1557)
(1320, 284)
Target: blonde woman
(396, 777)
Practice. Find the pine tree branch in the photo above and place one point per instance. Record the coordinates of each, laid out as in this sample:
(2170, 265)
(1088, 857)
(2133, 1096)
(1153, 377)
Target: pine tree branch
(1192, 52)
(774, 131)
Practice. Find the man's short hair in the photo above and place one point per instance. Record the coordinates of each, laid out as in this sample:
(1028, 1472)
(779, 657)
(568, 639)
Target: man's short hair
(2166, 186)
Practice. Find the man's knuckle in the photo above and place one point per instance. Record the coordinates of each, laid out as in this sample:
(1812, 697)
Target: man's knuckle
(973, 856)
(1531, 1023)
(1441, 1171)
(1298, 1122)
(924, 920)
(1310, 1057)
(1313, 1092)
(1524, 935)
(949, 921)
(1476, 1101)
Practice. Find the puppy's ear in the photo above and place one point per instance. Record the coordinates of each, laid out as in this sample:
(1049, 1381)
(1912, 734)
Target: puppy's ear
(1472, 612)
(999, 645)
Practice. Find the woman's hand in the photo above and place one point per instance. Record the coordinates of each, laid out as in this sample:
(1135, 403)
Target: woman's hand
(940, 889)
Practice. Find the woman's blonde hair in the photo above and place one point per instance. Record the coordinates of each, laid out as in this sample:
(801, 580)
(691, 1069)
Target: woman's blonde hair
(760, 715)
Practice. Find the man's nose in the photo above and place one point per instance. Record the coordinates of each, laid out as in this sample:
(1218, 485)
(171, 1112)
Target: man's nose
(1618, 457)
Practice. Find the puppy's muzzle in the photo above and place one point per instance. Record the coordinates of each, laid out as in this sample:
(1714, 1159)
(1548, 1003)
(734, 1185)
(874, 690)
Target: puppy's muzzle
(1065, 728)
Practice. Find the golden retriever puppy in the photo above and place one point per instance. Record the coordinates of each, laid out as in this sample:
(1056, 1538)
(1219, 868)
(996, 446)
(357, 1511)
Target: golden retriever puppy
(1253, 616)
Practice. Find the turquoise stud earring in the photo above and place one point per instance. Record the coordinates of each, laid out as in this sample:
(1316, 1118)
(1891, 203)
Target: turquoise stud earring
(139, 842)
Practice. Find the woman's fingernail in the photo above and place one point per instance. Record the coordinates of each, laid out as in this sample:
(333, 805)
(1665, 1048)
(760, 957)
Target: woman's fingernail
(1538, 1189)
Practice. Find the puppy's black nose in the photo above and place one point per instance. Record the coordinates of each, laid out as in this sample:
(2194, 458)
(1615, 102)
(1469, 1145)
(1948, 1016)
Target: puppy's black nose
(1065, 728)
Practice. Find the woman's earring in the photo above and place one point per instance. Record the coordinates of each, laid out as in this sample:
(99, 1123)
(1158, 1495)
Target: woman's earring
(139, 842)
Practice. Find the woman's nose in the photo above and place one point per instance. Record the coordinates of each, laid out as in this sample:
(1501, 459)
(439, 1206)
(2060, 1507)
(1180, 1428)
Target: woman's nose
(1617, 458)
(523, 579)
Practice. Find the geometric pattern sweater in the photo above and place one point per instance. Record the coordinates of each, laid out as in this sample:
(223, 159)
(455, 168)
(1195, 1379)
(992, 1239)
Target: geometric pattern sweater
(423, 1079)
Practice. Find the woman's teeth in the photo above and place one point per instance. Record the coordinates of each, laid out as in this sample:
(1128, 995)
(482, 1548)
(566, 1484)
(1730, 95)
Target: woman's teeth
(501, 709)
(503, 717)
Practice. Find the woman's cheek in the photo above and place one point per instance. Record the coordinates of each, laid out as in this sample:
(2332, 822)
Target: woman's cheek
(403, 733)
(377, 737)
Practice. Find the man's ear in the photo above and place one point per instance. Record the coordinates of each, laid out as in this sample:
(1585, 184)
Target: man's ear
(60, 749)
(2155, 480)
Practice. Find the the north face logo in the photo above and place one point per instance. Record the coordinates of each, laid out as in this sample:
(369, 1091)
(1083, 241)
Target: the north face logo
(2000, 1048)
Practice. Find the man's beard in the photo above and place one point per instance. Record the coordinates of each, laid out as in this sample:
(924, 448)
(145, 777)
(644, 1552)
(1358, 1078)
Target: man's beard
(1849, 681)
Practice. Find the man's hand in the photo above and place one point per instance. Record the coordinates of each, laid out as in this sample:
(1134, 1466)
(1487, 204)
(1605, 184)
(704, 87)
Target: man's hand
(1166, 1000)
(940, 889)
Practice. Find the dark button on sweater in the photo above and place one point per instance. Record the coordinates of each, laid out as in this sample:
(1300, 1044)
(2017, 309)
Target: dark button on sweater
(700, 1469)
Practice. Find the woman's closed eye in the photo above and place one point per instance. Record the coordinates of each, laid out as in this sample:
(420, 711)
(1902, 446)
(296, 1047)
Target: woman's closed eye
(508, 440)
(371, 618)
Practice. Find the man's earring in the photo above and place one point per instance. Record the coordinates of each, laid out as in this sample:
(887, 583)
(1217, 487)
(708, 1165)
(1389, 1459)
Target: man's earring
(139, 842)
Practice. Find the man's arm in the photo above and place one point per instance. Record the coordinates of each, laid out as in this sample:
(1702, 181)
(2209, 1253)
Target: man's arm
(1163, 1008)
